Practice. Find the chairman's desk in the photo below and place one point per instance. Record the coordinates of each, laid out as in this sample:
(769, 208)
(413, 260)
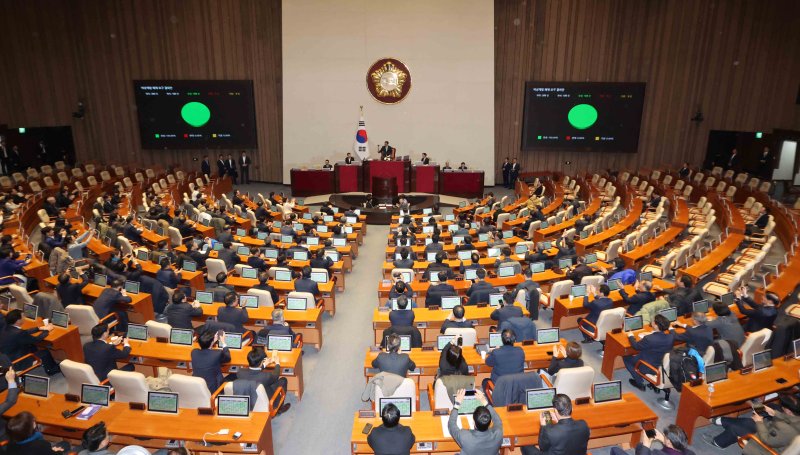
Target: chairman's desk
(566, 311)
(148, 429)
(429, 322)
(140, 307)
(312, 182)
(306, 322)
(614, 423)
(153, 354)
(537, 356)
(285, 287)
(697, 405)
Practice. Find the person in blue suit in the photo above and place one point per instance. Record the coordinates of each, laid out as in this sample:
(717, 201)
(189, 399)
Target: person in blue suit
(207, 362)
(651, 349)
(599, 304)
(507, 359)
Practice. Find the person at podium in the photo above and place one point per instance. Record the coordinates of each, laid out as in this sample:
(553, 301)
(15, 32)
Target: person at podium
(425, 160)
(327, 166)
(349, 159)
(385, 151)
(463, 166)
(447, 166)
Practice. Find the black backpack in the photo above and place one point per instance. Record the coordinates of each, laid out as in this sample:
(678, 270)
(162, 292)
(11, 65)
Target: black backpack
(682, 367)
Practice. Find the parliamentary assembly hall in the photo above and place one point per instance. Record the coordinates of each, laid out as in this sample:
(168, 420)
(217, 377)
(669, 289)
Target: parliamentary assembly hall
(476, 227)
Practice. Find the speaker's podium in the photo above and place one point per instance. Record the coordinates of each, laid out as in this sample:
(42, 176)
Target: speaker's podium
(425, 178)
(400, 170)
(348, 177)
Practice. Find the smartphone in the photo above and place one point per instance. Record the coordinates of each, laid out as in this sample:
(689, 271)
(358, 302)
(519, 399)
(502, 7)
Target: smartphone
(651, 433)
(548, 418)
(469, 393)
(367, 428)
(759, 409)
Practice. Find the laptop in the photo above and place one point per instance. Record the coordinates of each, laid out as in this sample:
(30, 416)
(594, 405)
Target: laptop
(95, 394)
(450, 302)
(36, 385)
(504, 272)
(716, 372)
(262, 235)
(405, 342)
(670, 313)
(296, 303)
(579, 290)
(204, 297)
(701, 306)
(312, 241)
(614, 285)
(427, 229)
(496, 299)
(564, 263)
(646, 276)
(279, 343)
(248, 301)
(495, 340)
(493, 252)
(469, 404)
(249, 272)
(348, 229)
(350, 219)
(283, 275)
(189, 266)
(727, 299)
(633, 323)
(762, 360)
(338, 241)
(402, 403)
(450, 217)
(537, 267)
(233, 406)
(300, 256)
(442, 340)
(462, 204)
(166, 402)
(30, 311)
(243, 251)
(297, 227)
(465, 255)
(327, 218)
(603, 392)
(430, 256)
(537, 399)
(137, 332)
(217, 246)
(100, 280)
(406, 277)
(241, 232)
(458, 239)
(483, 237)
(132, 287)
(181, 336)
(547, 336)
(271, 253)
(59, 319)
(233, 340)
(143, 255)
(307, 216)
(544, 225)
(300, 202)
(277, 224)
(590, 258)
(452, 228)
(319, 277)
(334, 255)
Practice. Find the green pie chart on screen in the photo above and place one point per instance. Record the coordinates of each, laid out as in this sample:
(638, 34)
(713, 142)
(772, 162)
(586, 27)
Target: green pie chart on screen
(195, 114)
(582, 116)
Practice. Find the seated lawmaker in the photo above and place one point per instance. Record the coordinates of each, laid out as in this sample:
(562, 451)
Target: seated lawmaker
(759, 316)
(403, 315)
(404, 262)
(439, 266)
(327, 166)
(507, 359)
(392, 437)
(206, 362)
(651, 348)
(306, 284)
(600, 302)
(637, 301)
(463, 166)
(102, 354)
(507, 311)
(456, 320)
(257, 371)
(441, 289)
(392, 361)
(231, 313)
(451, 360)
(180, 312)
(699, 336)
(563, 358)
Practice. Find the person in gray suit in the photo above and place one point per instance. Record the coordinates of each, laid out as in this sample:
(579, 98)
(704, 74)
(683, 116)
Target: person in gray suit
(11, 398)
(392, 361)
(482, 440)
(564, 436)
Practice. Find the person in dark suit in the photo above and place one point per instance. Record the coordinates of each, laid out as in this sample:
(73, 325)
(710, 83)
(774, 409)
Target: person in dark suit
(16, 342)
(564, 435)
(228, 255)
(231, 314)
(651, 349)
(11, 398)
(532, 293)
(385, 151)
(638, 300)
(327, 166)
(207, 362)
(759, 316)
(598, 304)
(682, 295)
(230, 168)
(244, 165)
(685, 171)
(306, 284)
(320, 261)
(102, 355)
(403, 315)
(271, 379)
(205, 167)
(392, 361)
(167, 276)
(180, 312)
(391, 438)
(765, 164)
(506, 170)
(759, 224)
(563, 358)
(673, 441)
(442, 289)
(507, 359)
(24, 438)
(263, 284)
(131, 232)
(278, 326)
(456, 320)
(109, 299)
(480, 286)
(404, 262)
(726, 324)
(513, 173)
(579, 271)
(71, 293)
(507, 311)
(481, 440)
(700, 336)
(439, 266)
(425, 160)
(256, 259)
(451, 360)
(349, 159)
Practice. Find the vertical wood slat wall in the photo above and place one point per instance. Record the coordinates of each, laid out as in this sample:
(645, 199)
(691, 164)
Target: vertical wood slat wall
(683, 49)
(56, 52)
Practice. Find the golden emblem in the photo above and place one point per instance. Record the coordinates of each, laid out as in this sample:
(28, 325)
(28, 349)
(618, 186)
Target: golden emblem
(389, 81)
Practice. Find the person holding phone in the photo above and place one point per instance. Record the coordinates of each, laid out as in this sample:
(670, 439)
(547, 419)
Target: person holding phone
(560, 434)
(673, 441)
(483, 439)
(774, 427)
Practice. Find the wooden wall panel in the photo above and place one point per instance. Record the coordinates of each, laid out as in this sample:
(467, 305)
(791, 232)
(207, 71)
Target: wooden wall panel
(60, 51)
(685, 50)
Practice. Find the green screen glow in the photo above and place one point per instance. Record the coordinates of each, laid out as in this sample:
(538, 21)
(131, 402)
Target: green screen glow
(195, 114)
(582, 116)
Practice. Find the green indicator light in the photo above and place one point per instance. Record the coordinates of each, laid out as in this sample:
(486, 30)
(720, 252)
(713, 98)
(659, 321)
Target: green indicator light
(759, 134)
(156, 136)
(539, 137)
(195, 114)
(582, 116)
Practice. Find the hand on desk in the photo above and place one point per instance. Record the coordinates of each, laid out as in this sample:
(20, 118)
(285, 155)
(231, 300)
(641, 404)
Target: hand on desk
(47, 327)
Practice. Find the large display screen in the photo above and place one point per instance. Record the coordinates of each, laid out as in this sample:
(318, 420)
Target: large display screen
(195, 114)
(588, 116)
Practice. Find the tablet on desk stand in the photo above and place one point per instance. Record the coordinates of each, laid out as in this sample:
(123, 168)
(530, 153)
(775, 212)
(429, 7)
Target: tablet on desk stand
(281, 343)
(95, 394)
(248, 301)
(403, 404)
(538, 399)
(716, 372)
(442, 340)
(762, 360)
(205, 297)
(604, 392)
(181, 336)
(548, 336)
(233, 406)
(137, 332)
(163, 402)
(59, 319)
(36, 385)
(30, 311)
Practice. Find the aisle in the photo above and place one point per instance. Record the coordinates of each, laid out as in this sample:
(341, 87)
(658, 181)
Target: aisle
(334, 377)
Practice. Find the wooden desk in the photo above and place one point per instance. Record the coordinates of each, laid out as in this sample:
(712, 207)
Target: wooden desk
(307, 322)
(64, 343)
(678, 224)
(729, 396)
(420, 288)
(582, 245)
(566, 311)
(284, 287)
(713, 259)
(141, 305)
(615, 423)
(429, 322)
(195, 280)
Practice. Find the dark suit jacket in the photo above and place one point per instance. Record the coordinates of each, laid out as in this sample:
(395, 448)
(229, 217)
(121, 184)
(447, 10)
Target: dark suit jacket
(207, 364)
(179, 315)
(268, 378)
(636, 301)
(398, 440)
(234, 316)
(158, 293)
(506, 360)
(699, 337)
(70, 293)
(567, 437)
(268, 288)
(349, 160)
(480, 286)
(403, 263)
(577, 274)
(505, 312)
(653, 347)
(597, 306)
(426, 160)
(393, 362)
(229, 257)
(306, 285)
(102, 357)
(221, 167)
(205, 167)
(16, 342)
(401, 318)
(758, 316)
(108, 299)
(168, 278)
(436, 292)
(436, 267)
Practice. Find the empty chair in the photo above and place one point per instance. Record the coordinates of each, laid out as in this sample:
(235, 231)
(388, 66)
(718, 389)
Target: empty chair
(84, 317)
(47, 169)
(575, 382)
(77, 373)
(309, 297)
(105, 176)
(91, 180)
(264, 297)
(608, 321)
(263, 402)
(158, 329)
(215, 267)
(60, 165)
(559, 289)
(753, 343)
(469, 336)
(611, 253)
(192, 391)
(129, 386)
(441, 399)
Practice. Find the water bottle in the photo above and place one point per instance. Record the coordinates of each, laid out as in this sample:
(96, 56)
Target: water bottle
(710, 389)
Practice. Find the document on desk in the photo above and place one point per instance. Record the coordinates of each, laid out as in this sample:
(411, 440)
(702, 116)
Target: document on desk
(460, 422)
(644, 334)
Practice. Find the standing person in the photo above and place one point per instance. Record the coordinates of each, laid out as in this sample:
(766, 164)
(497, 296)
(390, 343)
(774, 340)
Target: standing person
(563, 435)
(765, 164)
(230, 168)
(208, 362)
(349, 159)
(733, 160)
(425, 160)
(482, 440)
(685, 170)
(221, 166)
(4, 157)
(391, 438)
(327, 166)
(41, 152)
(506, 172)
(244, 165)
(102, 354)
(205, 167)
(513, 174)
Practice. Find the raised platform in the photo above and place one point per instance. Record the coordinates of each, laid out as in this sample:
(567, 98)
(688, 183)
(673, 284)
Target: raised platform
(381, 214)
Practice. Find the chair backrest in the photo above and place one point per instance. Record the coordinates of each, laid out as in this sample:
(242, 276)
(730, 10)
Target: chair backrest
(264, 297)
(262, 400)
(559, 289)
(129, 386)
(594, 280)
(408, 388)
(667, 180)
(609, 320)
(310, 302)
(214, 267)
(34, 186)
(469, 336)
(175, 236)
(77, 373)
(6, 182)
(48, 181)
(272, 270)
(77, 172)
(192, 391)
(157, 329)
(325, 271)
(105, 176)
(84, 317)
(150, 173)
(575, 382)
(440, 395)
(752, 344)
(612, 252)
(679, 185)
(91, 180)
